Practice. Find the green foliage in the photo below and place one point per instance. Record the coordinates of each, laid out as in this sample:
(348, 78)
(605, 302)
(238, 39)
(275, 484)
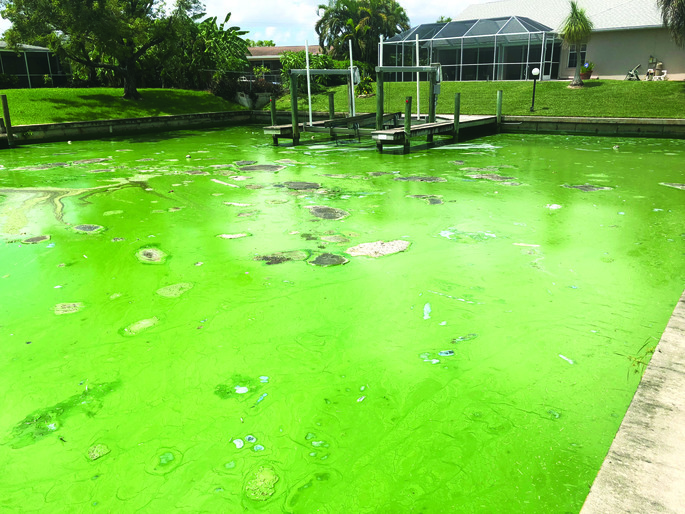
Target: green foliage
(266, 42)
(673, 16)
(8, 81)
(227, 85)
(443, 19)
(587, 67)
(297, 61)
(365, 86)
(576, 29)
(360, 21)
(260, 71)
(47, 80)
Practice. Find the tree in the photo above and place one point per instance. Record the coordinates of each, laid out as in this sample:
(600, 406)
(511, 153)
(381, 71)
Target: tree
(266, 42)
(673, 15)
(576, 30)
(360, 21)
(116, 35)
(444, 19)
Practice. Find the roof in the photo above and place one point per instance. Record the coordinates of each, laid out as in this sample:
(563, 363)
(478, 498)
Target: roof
(23, 48)
(509, 28)
(275, 52)
(605, 14)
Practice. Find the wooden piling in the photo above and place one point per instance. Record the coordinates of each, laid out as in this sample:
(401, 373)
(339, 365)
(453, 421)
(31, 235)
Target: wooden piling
(457, 108)
(407, 122)
(379, 100)
(331, 106)
(499, 108)
(8, 121)
(293, 109)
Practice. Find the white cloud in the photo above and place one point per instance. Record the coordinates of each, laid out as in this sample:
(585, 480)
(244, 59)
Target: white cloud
(290, 22)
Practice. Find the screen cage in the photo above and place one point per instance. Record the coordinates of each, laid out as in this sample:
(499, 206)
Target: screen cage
(486, 49)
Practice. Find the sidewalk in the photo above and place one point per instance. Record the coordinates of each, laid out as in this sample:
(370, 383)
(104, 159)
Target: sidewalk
(644, 470)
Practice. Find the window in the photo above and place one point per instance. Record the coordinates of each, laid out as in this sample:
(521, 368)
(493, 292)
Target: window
(573, 55)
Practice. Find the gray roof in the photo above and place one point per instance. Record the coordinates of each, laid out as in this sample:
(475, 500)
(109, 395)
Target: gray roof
(605, 14)
(24, 48)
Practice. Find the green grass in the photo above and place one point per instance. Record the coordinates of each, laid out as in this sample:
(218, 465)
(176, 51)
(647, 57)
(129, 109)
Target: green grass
(610, 98)
(55, 105)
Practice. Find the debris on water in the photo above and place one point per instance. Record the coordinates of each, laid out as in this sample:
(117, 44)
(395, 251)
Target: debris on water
(506, 181)
(89, 228)
(262, 167)
(467, 337)
(264, 379)
(554, 414)
(98, 450)
(335, 239)
(327, 213)
(250, 439)
(427, 311)
(301, 186)
(553, 206)
(466, 237)
(244, 163)
(672, 184)
(112, 213)
(258, 447)
(216, 180)
(239, 443)
(430, 199)
(458, 163)
(241, 389)
(102, 170)
(588, 187)
(234, 236)
(570, 361)
(37, 239)
(93, 161)
(446, 353)
(421, 179)
(261, 486)
(237, 204)
(280, 257)
(329, 259)
(361, 399)
(379, 173)
(427, 358)
(151, 255)
(378, 248)
(140, 325)
(247, 214)
(175, 290)
(68, 308)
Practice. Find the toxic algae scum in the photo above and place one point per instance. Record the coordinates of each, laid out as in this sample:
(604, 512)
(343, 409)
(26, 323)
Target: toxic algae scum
(205, 322)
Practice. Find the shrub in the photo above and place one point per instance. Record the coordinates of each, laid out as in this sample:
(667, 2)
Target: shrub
(8, 81)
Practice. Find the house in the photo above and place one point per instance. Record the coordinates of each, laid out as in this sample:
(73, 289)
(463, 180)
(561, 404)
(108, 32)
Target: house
(505, 39)
(31, 65)
(270, 56)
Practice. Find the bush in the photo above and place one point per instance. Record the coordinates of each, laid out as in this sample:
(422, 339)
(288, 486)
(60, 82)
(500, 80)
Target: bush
(8, 81)
(364, 87)
(227, 85)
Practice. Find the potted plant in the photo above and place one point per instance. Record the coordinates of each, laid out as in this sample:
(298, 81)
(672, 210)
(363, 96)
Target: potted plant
(586, 70)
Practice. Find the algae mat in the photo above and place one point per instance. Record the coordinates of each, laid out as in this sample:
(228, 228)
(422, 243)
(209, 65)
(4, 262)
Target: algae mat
(154, 364)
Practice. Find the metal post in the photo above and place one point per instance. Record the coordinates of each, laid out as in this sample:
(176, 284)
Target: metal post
(499, 107)
(293, 109)
(532, 105)
(8, 121)
(457, 108)
(352, 106)
(418, 83)
(379, 99)
(432, 97)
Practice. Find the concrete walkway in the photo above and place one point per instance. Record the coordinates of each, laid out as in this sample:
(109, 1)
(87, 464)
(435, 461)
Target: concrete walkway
(644, 471)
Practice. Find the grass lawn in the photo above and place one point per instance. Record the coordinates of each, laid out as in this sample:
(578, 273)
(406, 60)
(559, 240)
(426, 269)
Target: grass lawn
(611, 98)
(54, 105)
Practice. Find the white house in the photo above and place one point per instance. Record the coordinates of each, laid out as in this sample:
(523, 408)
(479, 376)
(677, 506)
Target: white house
(505, 39)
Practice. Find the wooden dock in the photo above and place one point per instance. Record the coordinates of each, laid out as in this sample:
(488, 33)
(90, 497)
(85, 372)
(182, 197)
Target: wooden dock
(399, 136)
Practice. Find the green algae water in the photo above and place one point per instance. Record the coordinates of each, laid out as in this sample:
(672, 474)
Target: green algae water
(199, 322)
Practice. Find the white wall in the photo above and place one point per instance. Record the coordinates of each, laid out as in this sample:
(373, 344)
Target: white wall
(616, 52)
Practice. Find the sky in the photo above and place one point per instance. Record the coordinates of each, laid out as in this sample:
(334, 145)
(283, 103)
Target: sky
(291, 22)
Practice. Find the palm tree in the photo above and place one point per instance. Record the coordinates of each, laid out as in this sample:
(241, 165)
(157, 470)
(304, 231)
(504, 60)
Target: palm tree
(359, 21)
(576, 30)
(673, 14)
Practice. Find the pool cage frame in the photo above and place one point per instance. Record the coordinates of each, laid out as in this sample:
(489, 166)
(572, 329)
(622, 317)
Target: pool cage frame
(505, 48)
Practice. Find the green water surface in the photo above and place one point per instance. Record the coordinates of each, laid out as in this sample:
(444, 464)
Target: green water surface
(152, 365)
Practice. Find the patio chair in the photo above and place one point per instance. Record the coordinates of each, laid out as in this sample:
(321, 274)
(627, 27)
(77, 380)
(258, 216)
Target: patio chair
(632, 74)
(662, 76)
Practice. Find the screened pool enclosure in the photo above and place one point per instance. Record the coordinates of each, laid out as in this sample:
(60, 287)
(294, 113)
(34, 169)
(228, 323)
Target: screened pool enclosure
(487, 49)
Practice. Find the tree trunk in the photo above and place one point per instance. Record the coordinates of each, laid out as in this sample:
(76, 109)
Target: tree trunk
(130, 84)
(576, 77)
